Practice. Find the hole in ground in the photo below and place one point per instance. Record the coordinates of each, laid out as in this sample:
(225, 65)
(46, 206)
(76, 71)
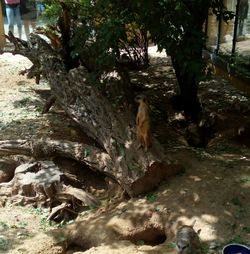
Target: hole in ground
(197, 136)
(72, 248)
(149, 236)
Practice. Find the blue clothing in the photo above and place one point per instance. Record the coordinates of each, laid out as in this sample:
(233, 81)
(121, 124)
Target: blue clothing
(14, 17)
(39, 8)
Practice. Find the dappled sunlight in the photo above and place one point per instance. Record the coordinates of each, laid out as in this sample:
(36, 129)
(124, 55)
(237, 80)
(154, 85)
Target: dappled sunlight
(244, 180)
(213, 190)
(144, 73)
(229, 157)
(209, 218)
(104, 157)
(202, 194)
(195, 178)
(20, 108)
(17, 225)
(128, 144)
(119, 158)
(196, 198)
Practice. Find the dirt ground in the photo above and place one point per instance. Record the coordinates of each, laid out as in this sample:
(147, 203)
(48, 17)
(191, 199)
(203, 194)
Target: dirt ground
(214, 190)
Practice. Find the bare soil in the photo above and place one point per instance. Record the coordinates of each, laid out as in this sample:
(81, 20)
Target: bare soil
(214, 190)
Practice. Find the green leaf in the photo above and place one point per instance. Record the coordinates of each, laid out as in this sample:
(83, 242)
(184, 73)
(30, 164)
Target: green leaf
(151, 197)
(87, 152)
(140, 242)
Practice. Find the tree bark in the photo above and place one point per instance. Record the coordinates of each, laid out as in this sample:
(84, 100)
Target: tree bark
(41, 183)
(112, 126)
(188, 86)
(91, 156)
(103, 108)
(187, 59)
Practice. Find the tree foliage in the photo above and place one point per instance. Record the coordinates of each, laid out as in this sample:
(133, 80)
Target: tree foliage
(101, 32)
(178, 27)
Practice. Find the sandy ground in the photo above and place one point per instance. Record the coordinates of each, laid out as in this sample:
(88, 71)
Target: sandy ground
(214, 190)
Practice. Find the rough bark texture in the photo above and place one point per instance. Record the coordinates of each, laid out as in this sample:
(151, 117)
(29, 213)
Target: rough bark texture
(40, 183)
(103, 108)
(188, 90)
(35, 182)
(187, 63)
(112, 126)
(46, 148)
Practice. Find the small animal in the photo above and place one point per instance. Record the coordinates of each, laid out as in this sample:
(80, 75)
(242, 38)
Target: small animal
(188, 241)
(143, 125)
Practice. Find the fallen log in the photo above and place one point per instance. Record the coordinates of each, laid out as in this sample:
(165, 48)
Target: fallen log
(102, 105)
(92, 156)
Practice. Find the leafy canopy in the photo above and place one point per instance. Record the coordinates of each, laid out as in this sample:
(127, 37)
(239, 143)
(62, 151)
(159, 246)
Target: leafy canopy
(101, 26)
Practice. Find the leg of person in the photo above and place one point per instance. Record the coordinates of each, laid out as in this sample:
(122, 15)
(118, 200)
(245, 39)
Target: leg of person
(26, 28)
(240, 27)
(10, 17)
(18, 21)
(33, 24)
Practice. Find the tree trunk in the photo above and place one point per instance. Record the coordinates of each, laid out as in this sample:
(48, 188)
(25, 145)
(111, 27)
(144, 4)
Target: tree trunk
(109, 120)
(103, 108)
(187, 62)
(187, 81)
